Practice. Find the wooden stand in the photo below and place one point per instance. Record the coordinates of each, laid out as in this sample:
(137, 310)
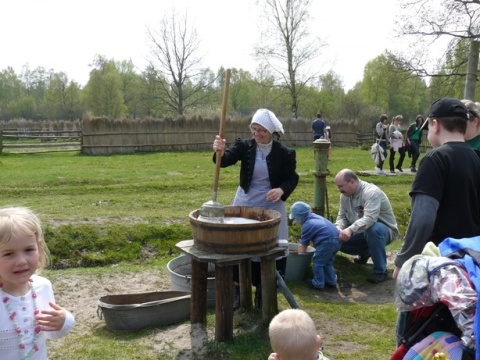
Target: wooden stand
(224, 286)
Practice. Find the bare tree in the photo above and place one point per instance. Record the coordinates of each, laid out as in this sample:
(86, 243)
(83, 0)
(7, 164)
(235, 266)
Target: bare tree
(182, 83)
(431, 20)
(287, 47)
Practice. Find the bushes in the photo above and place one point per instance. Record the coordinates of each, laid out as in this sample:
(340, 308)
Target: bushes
(89, 245)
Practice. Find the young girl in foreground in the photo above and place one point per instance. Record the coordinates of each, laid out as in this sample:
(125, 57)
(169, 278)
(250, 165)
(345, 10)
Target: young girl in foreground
(28, 313)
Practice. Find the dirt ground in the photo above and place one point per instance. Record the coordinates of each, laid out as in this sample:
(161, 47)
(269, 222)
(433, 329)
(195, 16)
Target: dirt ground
(80, 294)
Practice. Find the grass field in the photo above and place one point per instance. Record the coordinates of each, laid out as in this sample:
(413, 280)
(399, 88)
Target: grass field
(161, 189)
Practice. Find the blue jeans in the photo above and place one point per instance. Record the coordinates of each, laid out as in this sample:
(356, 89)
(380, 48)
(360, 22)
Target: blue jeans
(371, 243)
(323, 259)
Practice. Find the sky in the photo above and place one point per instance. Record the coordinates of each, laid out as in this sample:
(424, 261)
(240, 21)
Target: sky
(66, 35)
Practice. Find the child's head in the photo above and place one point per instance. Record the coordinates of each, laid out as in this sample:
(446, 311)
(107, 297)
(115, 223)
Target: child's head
(20, 220)
(298, 211)
(293, 335)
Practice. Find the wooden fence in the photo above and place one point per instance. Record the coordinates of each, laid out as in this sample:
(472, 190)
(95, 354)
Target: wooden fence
(26, 140)
(110, 136)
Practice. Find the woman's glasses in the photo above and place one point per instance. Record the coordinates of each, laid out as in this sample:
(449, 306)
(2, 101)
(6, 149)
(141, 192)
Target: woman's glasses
(258, 131)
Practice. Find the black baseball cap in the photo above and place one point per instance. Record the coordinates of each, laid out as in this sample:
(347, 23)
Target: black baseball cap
(447, 107)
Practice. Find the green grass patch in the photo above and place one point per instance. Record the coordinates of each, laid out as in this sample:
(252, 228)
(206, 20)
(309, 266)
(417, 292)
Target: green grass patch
(125, 213)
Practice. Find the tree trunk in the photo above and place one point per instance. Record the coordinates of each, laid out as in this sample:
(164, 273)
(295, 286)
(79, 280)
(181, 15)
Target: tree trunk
(472, 72)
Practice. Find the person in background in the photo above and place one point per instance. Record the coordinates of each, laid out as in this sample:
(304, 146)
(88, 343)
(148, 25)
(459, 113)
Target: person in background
(381, 131)
(293, 336)
(318, 127)
(445, 196)
(28, 313)
(414, 139)
(395, 137)
(324, 237)
(472, 136)
(366, 222)
(328, 136)
(267, 177)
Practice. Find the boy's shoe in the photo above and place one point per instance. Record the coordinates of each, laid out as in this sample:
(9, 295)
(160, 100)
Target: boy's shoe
(378, 278)
(361, 259)
(311, 286)
(399, 168)
(331, 286)
(392, 171)
(412, 169)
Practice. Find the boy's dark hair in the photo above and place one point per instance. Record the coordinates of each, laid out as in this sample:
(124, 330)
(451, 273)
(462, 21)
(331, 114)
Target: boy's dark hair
(453, 124)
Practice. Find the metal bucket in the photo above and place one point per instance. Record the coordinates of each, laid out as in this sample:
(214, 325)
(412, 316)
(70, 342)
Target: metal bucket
(298, 264)
(130, 312)
(241, 238)
(180, 269)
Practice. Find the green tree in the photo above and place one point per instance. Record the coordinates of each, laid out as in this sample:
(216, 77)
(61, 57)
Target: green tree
(11, 88)
(389, 86)
(104, 95)
(132, 88)
(35, 83)
(63, 98)
(242, 92)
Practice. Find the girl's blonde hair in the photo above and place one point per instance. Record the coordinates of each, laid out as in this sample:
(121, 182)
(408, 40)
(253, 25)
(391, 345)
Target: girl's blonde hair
(14, 219)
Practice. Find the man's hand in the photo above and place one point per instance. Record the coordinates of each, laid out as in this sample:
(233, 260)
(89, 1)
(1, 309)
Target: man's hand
(345, 235)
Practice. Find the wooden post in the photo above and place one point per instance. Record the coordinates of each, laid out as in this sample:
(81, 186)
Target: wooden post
(223, 303)
(198, 305)
(269, 288)
(245, 272)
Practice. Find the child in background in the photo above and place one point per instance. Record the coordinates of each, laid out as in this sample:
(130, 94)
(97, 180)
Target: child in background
(28, 313)
(324, 237)
(293, 336)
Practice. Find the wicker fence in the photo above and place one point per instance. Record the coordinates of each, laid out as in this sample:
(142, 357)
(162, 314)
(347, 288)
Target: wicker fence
(106, 136)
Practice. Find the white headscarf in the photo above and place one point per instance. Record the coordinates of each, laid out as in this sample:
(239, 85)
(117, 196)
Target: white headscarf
(268, 120)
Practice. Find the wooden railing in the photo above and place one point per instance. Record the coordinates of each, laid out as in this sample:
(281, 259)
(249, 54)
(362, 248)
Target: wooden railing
(25, 140)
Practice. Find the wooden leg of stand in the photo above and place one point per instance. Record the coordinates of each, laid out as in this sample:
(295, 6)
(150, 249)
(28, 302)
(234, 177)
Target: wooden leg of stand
(198, 302)
(245, 271)
(223, 303)
(269, 289)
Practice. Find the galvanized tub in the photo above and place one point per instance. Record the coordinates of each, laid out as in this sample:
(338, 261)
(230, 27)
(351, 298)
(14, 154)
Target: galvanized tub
(298, 264)
(241, 238)
(180, 269)
(131, 312)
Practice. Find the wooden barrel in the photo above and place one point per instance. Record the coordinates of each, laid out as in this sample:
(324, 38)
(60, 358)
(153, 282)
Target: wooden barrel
(222, 238)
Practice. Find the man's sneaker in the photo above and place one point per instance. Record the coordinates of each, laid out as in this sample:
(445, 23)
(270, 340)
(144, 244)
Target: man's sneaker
(378, 278)
(361, 259)
(412, 169)
(399, 168)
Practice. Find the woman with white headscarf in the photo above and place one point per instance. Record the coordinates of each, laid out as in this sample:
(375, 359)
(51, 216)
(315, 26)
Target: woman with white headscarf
(267, 176)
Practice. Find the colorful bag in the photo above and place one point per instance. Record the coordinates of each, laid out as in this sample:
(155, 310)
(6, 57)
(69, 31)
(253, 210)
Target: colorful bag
(437, 342)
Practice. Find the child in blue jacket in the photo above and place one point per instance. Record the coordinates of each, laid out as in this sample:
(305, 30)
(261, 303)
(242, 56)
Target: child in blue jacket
(324, 237)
